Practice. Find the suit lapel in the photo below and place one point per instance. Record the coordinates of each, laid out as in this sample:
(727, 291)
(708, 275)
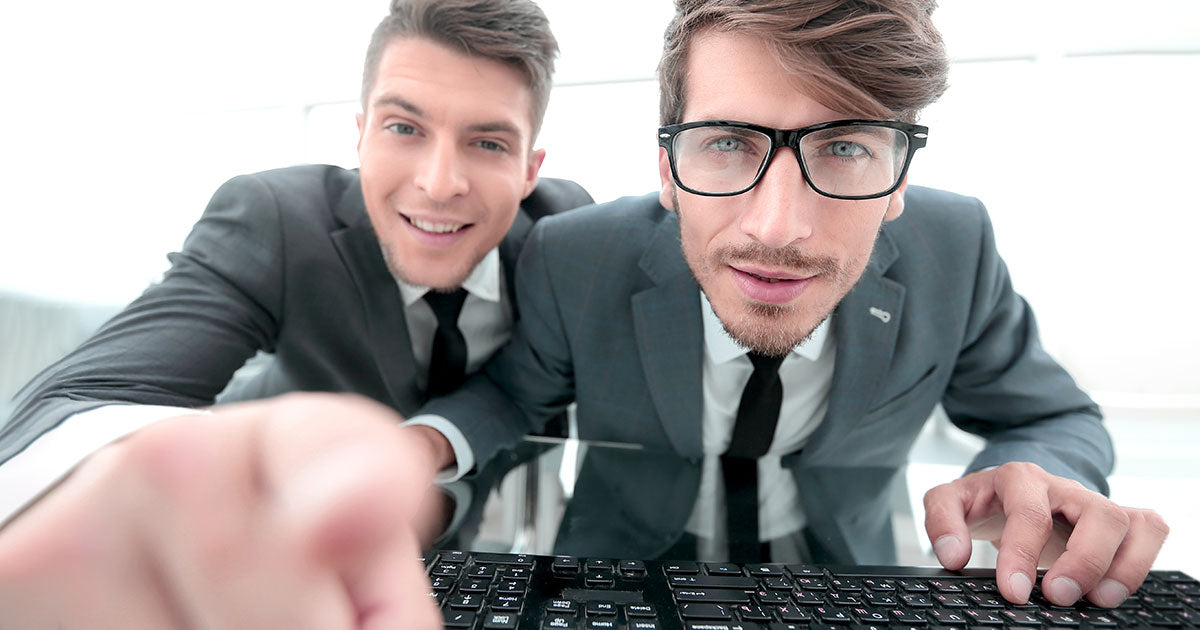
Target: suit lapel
(668, 328)
(866, 327)
(387, 332)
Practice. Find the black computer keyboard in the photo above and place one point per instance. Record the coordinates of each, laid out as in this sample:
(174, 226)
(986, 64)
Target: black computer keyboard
(500, 591)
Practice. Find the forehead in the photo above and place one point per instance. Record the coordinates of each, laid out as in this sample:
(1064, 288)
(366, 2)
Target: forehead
(449, 85)
(738, 77)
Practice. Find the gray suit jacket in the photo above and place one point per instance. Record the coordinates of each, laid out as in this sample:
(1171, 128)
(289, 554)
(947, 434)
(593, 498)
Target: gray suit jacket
(611, 319)
(284, 261)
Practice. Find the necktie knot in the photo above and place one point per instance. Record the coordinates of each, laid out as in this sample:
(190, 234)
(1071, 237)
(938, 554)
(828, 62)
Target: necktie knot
(764, 363)
(446, 306)
(448, 357)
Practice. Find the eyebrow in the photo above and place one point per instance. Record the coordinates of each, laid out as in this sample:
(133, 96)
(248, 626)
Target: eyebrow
(498, 126)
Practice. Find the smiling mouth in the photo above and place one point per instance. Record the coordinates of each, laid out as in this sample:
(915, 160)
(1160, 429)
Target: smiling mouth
(435, 228)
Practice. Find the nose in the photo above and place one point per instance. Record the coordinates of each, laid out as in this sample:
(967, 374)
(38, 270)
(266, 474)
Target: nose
(441, 174)
(779, 209)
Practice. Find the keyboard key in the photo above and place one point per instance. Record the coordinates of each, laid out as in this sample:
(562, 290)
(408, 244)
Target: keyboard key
(632, 567)
(984, 617)
(711, 581)
(715, 568)
(601, 623)
(457, 618)
(559, 622)
(752, 612)
(947, 617)
(600, 578)
(807, 570)
(778, 584)
(807, 598)
(699, 610)
(468, 601)
(565, 564)
(685, 568)
(640, 610)
(561, 606)
(482, 572)
(459, 557)
(504, 559)
(507, 603)
(600, 608)
(712, 595)
(500, 621)
(598, 565)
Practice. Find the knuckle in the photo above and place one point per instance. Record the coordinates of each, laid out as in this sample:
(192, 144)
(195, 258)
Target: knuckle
(1114, 518)
(167, 457)
(1153, 521)
(1036, 518)
(1093, 566)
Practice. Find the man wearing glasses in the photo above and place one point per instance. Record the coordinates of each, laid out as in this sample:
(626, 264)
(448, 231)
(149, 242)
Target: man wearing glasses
(789, 311)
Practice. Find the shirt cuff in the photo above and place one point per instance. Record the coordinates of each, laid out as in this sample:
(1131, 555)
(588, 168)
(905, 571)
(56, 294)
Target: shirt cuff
(29, 474)
(463, 454)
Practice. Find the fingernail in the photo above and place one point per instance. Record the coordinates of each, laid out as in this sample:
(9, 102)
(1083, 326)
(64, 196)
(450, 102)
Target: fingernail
(1111, 593)
(1062, 591)
(1021, 586)
(946, 547)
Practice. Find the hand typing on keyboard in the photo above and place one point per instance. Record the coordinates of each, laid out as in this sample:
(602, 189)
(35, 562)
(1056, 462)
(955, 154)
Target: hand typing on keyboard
(1091, 546)
(292, 513)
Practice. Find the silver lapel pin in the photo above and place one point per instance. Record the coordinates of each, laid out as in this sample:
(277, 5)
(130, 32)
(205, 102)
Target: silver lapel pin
(883, 315)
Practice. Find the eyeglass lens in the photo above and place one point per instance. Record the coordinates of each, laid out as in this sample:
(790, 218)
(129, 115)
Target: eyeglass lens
(848, 160)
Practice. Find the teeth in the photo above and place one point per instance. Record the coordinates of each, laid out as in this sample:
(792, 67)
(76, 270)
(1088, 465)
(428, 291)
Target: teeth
(436, 228)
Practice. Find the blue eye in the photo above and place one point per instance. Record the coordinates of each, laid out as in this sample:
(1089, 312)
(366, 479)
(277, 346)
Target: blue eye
(488, 145)
(847, 149)
(728, 143)
(402, 129)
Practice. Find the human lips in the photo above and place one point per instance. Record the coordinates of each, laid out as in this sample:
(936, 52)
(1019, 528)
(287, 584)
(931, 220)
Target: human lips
(434, 227)
(768, 285)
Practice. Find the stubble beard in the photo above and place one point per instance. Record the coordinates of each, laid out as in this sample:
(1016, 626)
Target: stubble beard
(771, 329)
(399, 272)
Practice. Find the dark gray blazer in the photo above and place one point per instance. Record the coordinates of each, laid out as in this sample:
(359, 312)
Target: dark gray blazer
(284, 261)
(611, 319)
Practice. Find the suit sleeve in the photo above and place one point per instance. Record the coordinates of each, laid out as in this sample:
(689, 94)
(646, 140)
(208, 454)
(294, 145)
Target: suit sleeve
(1006, 388)
(179, 343)
(529, 381)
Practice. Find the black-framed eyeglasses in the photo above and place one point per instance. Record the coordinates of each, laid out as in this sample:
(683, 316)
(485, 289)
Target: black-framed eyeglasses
(843, 159)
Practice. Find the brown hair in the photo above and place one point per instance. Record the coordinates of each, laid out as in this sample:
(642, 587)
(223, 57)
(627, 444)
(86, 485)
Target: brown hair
(514, 32)
(868, 58)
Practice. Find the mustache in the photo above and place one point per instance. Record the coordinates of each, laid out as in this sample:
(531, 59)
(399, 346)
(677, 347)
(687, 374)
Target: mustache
(786, 257)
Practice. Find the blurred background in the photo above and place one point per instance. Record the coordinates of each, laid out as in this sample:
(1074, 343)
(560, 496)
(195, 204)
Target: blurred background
(1073, 120)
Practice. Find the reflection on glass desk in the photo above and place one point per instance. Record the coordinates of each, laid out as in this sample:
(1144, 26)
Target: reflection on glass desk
(565, 534)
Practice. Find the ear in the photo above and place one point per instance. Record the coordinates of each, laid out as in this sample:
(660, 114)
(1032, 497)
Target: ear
(359, 120)
(896, 202)
(666, 194)
(536, 157)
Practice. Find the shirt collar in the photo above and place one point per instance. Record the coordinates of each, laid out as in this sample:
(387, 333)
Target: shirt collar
(721, 348)
(483, 282)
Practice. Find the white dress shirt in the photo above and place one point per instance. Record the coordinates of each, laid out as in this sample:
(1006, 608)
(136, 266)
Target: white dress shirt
(807, 375)
(485, 321)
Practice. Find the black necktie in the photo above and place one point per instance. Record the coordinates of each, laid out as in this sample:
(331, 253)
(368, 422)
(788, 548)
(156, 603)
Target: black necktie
(757, 415)
(448, 361)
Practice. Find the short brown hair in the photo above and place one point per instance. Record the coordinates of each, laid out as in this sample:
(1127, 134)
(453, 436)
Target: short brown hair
(514, 32)
(868, 58)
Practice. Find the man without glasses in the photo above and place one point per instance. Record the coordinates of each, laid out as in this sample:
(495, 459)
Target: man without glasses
(300, 511)
(788, 279)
